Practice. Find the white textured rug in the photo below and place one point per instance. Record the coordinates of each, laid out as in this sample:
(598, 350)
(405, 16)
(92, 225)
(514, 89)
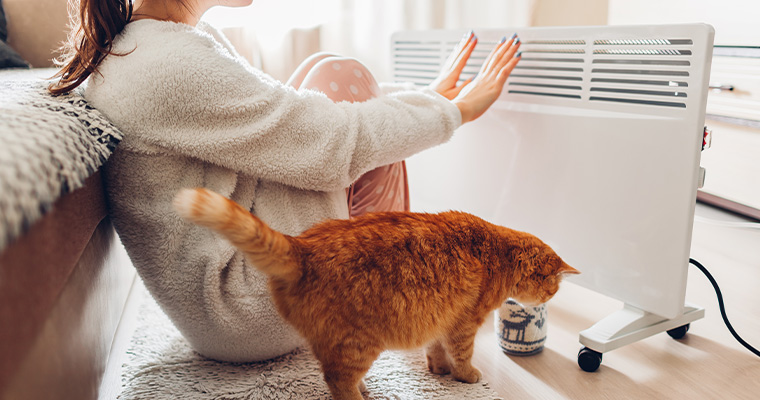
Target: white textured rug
(161, 365)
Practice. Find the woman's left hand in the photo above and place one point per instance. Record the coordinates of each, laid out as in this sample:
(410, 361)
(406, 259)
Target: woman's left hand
(447, 82)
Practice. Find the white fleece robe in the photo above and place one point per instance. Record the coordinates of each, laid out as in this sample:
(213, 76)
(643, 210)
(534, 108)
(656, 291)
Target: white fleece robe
(195, 114)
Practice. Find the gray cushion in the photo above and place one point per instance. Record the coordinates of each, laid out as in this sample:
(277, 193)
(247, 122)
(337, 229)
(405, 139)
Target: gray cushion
(9, 58)
(3, 24)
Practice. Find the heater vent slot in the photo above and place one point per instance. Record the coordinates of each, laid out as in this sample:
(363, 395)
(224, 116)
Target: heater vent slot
(556, 42)
(641, 82)
(643, 62)
(566, 78)
(638, 72)
(644, 52)
(545, 85)
(567, 51)
(638, 101)
(639, 42)
(569, 96)
(637, 91)
(548, 59)
(547, 68)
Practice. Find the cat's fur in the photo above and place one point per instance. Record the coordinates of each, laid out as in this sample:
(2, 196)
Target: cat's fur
(393, 280)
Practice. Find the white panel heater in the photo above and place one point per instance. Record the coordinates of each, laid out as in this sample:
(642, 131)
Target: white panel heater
(593, 146)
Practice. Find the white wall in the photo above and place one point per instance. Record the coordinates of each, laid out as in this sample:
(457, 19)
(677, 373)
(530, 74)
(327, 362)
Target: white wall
(736, 22)
(570, 12)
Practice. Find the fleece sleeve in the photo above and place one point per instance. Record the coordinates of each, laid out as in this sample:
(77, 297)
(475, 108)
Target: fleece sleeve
(211, 105)
(389, 88)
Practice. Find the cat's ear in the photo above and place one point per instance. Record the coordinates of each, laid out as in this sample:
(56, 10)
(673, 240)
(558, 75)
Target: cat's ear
(566, 269)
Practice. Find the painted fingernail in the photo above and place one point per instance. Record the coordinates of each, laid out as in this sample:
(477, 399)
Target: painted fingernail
(516, 41)
(514, 35)
(519, 54)
(503, 39)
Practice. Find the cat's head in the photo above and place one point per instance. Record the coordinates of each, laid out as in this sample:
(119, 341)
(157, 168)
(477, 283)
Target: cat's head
(539, 271)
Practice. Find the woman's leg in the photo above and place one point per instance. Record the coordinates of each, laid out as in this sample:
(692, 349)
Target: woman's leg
(346, 79)
(340, 78)
(300, 73)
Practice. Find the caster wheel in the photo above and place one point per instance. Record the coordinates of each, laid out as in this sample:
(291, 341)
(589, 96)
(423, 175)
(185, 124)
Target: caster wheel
(589, 360)
(678, 333)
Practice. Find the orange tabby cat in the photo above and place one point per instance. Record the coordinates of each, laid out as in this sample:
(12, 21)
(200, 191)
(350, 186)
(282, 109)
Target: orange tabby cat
(393, 280)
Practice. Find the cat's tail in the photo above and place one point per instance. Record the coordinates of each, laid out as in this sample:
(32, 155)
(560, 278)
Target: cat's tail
(270, 251)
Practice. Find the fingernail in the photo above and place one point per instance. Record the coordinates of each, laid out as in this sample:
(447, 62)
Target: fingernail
(516, 41)
(474, 37)
(519, 54)
(514, 35)
(503, 39)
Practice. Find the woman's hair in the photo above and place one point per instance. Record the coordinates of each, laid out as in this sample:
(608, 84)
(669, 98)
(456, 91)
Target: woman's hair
(90, 40)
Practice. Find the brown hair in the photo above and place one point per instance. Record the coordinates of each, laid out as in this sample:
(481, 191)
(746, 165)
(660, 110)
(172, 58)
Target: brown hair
(90, 40)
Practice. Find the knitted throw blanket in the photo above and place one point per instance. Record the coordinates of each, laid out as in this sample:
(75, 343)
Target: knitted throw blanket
(49, 145)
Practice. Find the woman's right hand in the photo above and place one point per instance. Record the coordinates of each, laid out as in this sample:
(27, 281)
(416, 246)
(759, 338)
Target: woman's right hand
(483, 91)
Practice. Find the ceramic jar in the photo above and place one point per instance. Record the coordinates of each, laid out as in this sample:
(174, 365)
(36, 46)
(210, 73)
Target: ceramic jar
(520, 330)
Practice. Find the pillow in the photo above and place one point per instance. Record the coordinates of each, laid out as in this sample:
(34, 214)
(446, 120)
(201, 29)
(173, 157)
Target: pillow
(9, 58)
(3, 24)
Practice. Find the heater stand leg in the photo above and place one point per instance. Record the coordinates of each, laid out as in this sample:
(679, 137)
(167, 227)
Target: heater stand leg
(629, 325)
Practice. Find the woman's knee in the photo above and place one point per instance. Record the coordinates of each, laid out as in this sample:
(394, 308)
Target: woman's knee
(340, 66)
(342, 79)
(296, 80)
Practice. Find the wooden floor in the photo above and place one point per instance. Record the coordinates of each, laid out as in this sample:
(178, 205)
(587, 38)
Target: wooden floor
(707, 364)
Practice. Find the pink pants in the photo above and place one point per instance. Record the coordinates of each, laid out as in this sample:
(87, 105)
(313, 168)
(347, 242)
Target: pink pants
(346, 79)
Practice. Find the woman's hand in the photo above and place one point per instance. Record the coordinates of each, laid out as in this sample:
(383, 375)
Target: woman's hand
(477, 96)
(447, 82)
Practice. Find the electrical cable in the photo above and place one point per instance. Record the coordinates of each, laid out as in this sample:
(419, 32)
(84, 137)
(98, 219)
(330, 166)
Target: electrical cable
(722, 307)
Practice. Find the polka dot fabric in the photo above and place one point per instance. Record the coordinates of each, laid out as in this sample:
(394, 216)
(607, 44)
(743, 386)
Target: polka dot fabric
(345, 79)
(382, 189)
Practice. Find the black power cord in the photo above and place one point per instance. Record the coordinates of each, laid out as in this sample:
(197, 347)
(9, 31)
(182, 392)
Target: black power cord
(722, 308)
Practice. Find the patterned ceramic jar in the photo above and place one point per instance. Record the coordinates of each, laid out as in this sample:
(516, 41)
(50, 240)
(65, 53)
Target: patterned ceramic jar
(520, 330)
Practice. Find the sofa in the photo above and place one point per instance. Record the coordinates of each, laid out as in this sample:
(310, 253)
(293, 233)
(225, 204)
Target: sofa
(64, 276)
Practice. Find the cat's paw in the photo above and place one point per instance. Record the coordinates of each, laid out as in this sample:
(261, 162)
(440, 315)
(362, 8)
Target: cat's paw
(438, 366)
(470, 375)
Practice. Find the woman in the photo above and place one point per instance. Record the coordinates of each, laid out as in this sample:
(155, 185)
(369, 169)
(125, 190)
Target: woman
(194, 113)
